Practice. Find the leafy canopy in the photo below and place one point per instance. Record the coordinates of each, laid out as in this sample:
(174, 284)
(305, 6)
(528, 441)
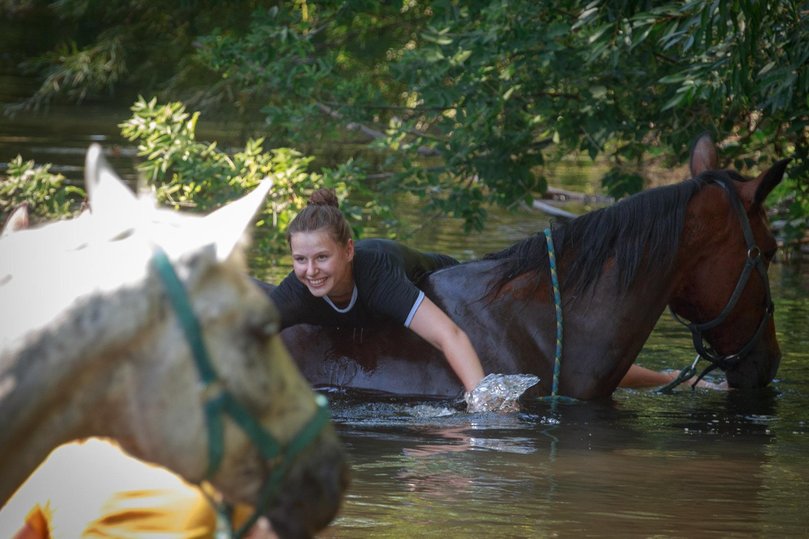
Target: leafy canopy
(465, 103)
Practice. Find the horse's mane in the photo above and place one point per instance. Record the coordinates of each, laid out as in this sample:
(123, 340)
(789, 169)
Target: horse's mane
(641, 233)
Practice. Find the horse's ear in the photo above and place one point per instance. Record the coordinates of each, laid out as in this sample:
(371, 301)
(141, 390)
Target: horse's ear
(768, 179)
(227, 225)
(703, 155)
(107, 194)
(18, 220)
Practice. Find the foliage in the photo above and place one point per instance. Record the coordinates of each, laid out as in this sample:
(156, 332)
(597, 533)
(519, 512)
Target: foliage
(47, 195)
(739, 68)
(186, 172)
(464, 103)
(619, 183)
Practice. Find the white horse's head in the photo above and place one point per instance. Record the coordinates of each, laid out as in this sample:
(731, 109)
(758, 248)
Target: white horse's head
(94, 343)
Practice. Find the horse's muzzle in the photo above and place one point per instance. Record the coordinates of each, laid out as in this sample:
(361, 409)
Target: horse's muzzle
(759, 367)
(313, 489)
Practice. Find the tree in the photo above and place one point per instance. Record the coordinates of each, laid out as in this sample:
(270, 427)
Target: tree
(464, 103)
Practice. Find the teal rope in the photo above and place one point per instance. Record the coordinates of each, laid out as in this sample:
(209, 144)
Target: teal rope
(178, 298)
(557, 300)
(185, 316)
(305, 437)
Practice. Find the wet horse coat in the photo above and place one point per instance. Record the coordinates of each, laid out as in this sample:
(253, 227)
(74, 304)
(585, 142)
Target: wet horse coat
(680, 246)
(90, 345)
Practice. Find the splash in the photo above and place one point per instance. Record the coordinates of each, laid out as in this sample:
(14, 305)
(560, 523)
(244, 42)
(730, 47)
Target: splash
(499, 393)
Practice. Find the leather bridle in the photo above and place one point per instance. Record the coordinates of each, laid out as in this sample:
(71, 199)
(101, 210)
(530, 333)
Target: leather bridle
(753, 261)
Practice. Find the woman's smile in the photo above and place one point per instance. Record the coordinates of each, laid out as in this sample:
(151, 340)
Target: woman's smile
(316, 283)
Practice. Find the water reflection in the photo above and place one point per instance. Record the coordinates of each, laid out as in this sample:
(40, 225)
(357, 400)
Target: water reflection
(595, 469)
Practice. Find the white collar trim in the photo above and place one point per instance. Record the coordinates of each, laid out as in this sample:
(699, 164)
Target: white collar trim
(347, 307)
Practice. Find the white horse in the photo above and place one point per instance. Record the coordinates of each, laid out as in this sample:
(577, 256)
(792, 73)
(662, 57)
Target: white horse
(141, 325)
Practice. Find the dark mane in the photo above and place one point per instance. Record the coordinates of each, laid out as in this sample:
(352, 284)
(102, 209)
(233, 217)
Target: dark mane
(641, 232)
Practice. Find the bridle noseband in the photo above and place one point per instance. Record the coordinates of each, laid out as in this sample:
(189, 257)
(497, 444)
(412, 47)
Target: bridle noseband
(218, 401)
(753, 261)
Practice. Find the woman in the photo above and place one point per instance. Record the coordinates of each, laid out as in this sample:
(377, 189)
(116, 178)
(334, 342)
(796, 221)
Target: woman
(337, 282)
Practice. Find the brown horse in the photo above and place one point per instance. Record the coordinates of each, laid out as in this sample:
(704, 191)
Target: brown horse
(700, 247)
(141, 325)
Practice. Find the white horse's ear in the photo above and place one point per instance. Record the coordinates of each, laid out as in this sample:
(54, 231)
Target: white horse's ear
(226, 226)
(106, 192)
(18, 220)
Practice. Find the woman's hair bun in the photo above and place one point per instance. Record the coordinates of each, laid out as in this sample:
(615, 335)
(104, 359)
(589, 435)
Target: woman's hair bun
(324, 197)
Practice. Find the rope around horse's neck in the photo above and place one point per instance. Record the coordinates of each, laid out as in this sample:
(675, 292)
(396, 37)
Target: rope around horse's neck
(557, 300)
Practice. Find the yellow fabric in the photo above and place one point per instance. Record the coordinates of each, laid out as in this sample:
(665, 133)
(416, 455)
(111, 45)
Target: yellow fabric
(37, 521)
(93, 489)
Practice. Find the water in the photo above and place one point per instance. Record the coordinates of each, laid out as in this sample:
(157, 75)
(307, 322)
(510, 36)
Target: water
(691, 464)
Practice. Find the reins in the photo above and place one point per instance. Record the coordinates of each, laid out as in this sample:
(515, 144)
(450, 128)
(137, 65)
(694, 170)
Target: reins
(753, 261)
(218, 401)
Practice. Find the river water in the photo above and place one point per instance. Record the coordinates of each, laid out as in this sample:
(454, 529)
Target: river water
(690, 464)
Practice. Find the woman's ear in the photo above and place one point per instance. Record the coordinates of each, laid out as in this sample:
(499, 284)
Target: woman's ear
(350, 250)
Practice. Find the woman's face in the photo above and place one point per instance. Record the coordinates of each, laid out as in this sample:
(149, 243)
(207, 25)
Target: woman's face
(322, 264)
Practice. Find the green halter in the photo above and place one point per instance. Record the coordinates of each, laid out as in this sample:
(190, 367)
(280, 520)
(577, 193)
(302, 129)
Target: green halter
(219, 401)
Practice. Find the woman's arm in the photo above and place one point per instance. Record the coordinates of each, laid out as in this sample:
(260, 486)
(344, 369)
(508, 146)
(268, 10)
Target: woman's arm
(641, 377)
(638, 377)
(434, 326)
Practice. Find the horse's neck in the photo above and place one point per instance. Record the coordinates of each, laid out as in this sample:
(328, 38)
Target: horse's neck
(604, 327)
(62, 383)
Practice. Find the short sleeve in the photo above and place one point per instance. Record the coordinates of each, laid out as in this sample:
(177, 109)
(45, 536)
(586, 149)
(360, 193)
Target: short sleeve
(385, 288)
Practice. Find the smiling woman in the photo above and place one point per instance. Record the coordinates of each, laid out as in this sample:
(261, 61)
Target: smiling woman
(682, 246)
(336, 282)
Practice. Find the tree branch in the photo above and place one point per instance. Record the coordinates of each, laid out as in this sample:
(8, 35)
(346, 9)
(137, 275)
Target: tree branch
(374, 134)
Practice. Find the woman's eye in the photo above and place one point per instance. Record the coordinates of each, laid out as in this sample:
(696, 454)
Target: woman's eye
(322, 257)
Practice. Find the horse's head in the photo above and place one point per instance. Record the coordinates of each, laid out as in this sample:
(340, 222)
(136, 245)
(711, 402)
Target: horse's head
(163, 342)
(724, 289)
(264, 438)
(279, 451)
